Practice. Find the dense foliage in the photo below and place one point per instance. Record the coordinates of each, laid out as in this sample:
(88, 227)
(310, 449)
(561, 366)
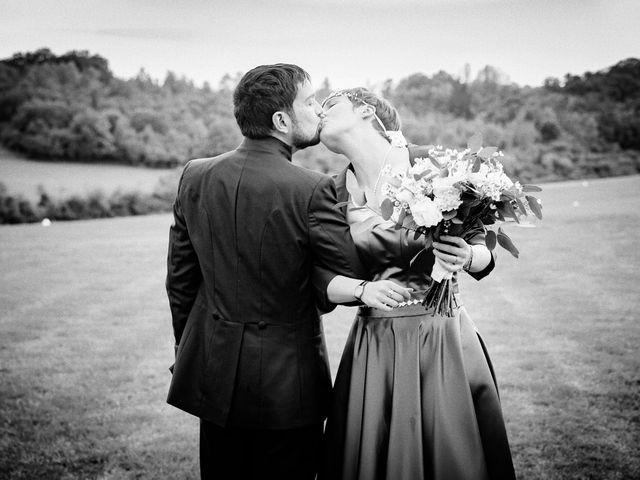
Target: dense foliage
(73, 107)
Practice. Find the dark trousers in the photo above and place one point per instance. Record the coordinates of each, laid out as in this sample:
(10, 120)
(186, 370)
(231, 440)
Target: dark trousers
(246, 454)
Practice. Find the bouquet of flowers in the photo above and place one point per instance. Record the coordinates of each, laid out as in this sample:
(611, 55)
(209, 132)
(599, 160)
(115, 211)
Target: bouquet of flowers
(456, 193)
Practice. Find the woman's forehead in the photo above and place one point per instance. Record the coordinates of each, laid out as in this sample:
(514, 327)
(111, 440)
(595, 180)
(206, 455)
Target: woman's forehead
(335, 97)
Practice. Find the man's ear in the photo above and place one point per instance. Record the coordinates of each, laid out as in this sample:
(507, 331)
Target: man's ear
(281, 122)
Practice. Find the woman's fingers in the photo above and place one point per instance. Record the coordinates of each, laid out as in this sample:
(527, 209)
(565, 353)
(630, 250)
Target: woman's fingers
(449, 262)
(445, 257)
(453, 256)
(460, 242)
(445, 247)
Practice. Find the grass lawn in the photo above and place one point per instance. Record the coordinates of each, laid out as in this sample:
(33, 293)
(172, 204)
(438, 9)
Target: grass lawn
(63, 179)
(85, 342)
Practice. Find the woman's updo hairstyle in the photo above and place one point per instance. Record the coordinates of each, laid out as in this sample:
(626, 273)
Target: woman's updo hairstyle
(385, 111)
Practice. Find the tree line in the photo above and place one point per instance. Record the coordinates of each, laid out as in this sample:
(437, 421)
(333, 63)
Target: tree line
(72, 107)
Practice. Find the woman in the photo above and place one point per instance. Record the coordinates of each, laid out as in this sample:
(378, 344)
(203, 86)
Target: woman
(415, 395)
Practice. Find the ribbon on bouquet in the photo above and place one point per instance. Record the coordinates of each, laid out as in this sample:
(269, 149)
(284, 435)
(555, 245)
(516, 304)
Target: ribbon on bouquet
(439, 297)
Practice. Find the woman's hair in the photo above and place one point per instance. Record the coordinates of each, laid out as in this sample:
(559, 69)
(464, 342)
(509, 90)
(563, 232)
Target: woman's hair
(385, 111)
(263, 91)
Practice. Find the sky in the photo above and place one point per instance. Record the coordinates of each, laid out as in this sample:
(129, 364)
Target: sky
(350, 42)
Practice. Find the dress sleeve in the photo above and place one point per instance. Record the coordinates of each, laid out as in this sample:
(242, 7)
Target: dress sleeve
(183, 271)
(477, 236)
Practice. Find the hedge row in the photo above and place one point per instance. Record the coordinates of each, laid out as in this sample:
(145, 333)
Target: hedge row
(15, 208)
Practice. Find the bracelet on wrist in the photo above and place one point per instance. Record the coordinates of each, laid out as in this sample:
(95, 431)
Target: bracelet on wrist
(467, 264)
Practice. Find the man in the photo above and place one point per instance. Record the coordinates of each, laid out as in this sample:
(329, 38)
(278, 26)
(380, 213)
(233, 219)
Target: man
(249, 226)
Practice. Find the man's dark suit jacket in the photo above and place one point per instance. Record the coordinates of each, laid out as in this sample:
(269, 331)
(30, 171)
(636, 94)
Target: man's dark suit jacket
(248, 228)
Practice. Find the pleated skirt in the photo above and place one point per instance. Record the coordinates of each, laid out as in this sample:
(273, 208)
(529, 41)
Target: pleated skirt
(415, 398)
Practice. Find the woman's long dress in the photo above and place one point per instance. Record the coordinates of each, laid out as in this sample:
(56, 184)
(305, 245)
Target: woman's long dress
(415, 395)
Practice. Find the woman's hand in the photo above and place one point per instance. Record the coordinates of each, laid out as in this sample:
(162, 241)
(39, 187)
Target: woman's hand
(453, 257)
(385, 294)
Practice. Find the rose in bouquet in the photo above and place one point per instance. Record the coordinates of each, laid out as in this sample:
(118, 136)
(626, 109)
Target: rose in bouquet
(457, 193)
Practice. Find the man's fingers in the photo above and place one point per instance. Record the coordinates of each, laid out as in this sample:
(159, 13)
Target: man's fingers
(400, 293)
(384, 306)
(386, 299)
(406, 293)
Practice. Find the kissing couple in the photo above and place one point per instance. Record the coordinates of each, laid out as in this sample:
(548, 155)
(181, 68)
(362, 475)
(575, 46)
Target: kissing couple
(259, 248)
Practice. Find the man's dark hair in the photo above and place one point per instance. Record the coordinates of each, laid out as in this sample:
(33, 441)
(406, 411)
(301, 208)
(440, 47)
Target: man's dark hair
(263, 91)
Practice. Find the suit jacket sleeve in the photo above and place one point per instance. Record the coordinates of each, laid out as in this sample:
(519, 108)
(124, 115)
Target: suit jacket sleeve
(330, 239)
(183, 271)
(387, 245)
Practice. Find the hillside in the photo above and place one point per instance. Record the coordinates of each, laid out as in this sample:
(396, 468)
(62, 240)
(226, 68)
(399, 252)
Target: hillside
(72, 107)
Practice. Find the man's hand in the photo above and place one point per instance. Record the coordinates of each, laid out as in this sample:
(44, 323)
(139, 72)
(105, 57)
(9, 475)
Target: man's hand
(385, 294)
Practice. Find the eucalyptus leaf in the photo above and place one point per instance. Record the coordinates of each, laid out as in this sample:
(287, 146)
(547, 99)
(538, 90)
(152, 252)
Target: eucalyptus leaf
(521, 206)
(410, 223)
(339, 205)
(449, 215)
(476, 165)
(487, 152)
(401, 217)
(386, 208)
(475, 142)
(435, 162)
(530, 188)
(418, 176)
(508, 210)
(506, 243)
(490, 239)
(535, 206)
(507, 195)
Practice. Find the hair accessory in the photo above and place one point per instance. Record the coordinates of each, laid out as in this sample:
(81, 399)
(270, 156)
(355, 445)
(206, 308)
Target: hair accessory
(395, 137)
(353, 98)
